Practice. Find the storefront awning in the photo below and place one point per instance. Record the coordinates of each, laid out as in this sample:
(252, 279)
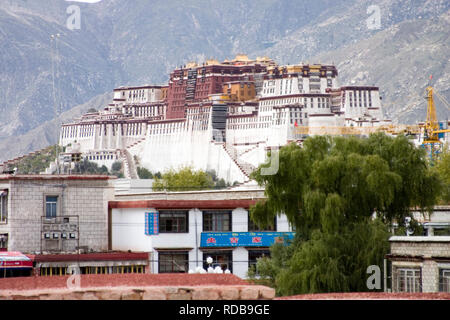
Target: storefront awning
(14, 259)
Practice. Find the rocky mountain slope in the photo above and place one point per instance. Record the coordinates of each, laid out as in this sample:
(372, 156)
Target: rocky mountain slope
(134, 42)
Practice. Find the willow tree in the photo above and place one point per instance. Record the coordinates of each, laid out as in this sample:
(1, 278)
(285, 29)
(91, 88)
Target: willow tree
(443, 169)
(341, 195)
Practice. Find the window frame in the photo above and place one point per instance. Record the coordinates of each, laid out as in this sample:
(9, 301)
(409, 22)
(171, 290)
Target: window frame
(214, 223)
(444, 279)
(173, 212)
(416, 279)
(214, 254)
(4, 237)
(260, 252)
(172, 262)
(57, 205)
(4, 206)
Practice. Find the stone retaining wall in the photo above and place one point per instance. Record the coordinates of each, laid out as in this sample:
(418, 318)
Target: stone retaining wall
(251, 292)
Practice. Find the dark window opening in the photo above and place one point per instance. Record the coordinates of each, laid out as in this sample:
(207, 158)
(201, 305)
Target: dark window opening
(3, 206)
(173, 221)
(51, 203)
(173, 262)
(223, 259)
(217, 221)
(254, 255)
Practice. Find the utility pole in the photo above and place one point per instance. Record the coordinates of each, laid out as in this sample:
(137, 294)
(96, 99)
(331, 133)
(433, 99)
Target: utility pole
(54, 54)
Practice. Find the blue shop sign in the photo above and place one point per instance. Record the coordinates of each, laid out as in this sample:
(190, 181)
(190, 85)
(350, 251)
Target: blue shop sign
(151, 223)
(243, 239)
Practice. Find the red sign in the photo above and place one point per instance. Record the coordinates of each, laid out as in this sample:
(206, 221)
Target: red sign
(234, 240)
(14, 260)
(211, 240)
(256, 240)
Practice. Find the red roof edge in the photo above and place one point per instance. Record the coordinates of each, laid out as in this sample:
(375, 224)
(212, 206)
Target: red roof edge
(183, 204)
(100, 256)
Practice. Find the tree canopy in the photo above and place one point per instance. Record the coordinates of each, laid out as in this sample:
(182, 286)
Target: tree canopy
(184, 179)
(443, 169)
(340, 194)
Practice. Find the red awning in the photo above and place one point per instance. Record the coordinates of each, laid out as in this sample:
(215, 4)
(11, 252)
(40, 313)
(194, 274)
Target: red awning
(14, 260)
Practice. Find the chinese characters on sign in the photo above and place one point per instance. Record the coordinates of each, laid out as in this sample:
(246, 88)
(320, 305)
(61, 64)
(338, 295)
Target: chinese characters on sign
(151, 223)
(244, 239)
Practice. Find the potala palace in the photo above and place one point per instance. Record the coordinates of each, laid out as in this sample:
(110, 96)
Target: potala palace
(221, 116)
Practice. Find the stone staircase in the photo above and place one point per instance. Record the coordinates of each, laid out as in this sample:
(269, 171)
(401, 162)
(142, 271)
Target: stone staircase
(129, 167)
(256, 145)
(135, 143)
(245, 167)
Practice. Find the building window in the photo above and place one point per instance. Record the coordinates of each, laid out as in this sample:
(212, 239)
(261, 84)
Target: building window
(51, 203)
(444, 280)
(173, 222)
(216, 220)
(254, 255)
(408, 280)
(173, 262)
(3, 206)
(4, 242)
(223, 259)
(253, 227)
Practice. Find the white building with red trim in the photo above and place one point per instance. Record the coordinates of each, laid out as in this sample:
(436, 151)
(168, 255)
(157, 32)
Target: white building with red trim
(182, 229)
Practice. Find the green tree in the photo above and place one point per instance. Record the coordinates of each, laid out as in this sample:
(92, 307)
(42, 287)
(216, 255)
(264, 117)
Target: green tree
(184, 179)
(221, 184)
(86, 167)
(144, 173)
(116, 166)
(341, 195)
(443, 169)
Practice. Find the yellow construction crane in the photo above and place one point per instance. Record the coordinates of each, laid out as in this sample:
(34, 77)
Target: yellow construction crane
(431, 141)
(430, 128)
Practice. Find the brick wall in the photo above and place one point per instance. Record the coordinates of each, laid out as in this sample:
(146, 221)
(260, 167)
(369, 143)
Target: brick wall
(425, 248)
(87, 199)
(428, 254)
